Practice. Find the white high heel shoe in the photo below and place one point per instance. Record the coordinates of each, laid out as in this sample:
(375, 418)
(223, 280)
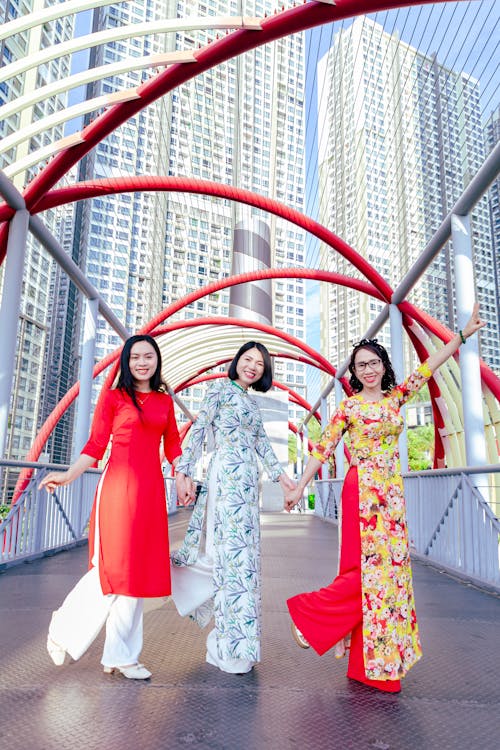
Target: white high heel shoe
(132, 672)
(56, 652)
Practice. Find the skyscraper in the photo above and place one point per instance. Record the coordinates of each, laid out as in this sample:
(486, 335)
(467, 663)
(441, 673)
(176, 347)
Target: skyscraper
(241, 123)
(401, 139)
(492, 137)
(15, 117)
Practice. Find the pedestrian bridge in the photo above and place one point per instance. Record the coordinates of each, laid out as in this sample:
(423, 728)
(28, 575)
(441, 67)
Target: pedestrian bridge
(292, 699)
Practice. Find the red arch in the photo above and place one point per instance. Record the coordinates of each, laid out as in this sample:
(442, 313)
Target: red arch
(296, 397)
(220, 362)
(413, 313)
(491, 380)
(282, 24)
(112, 358)
(218, 321)
(93, 188)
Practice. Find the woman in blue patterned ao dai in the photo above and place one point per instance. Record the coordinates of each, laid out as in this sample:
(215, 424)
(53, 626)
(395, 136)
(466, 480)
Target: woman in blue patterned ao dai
(223, 536)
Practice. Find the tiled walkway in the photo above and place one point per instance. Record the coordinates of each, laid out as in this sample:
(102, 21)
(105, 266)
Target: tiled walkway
(294, 700)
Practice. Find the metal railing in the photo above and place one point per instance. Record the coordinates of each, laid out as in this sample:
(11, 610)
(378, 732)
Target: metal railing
(452, 517)
(40, 523)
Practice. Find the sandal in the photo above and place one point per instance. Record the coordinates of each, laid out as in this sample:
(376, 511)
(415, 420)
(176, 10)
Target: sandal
(299, 638)
(56, 652)
(132, 672)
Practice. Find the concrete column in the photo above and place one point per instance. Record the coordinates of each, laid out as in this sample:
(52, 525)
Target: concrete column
(86, 370)
(9, 314)
(251, 252)
(339, 451)
(472, 404)
(397, 359)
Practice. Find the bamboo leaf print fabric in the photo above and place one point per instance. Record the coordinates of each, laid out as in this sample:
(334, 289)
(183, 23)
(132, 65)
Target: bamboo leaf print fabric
(234, 418)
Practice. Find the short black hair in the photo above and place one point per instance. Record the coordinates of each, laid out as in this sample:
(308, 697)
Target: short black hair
(266, 379)
(388, 378)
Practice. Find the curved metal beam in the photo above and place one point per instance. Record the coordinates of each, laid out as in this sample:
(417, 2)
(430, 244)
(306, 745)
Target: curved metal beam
(275, 27)
(161, 26)
(91, 75)
(93, 188)
(219, 321)
(30, 20)
(296, 397)
(282, 355)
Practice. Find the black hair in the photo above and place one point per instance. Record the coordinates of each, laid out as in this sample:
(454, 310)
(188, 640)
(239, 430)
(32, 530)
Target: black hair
(388, 378)
(126, 381)
(266, 379)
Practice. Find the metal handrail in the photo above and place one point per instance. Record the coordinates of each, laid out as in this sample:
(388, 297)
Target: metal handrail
(451, 520)
(40, 523)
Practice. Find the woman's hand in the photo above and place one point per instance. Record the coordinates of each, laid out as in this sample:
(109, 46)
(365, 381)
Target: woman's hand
(292, 497)
(474, 323)
(287, 484)
(185, 489)
(55, 479)
(60, 478)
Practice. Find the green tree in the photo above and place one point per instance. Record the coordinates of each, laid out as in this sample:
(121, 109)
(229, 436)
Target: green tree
(421, 447)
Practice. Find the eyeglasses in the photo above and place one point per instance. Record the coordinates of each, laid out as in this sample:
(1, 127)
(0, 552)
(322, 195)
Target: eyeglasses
(373, 364)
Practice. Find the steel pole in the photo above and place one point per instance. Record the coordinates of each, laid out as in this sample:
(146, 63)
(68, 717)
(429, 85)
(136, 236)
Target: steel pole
(339, 450)
(84, 404)
(9, 314)
(475, 443)
(396, 324)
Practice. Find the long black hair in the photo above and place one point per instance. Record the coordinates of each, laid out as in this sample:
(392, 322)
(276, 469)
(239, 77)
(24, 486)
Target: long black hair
(388, 378)
(266, 379)
(126, 381)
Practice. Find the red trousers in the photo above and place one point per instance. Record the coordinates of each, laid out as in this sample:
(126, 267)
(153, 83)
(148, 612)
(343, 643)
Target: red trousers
(326, 616)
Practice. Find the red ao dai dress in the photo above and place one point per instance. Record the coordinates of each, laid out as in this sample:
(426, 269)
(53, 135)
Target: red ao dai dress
(128, 537)
(370, 603)
(133, 554)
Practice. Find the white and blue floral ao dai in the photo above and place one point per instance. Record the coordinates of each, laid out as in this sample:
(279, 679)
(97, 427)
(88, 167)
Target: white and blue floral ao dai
(232, 476)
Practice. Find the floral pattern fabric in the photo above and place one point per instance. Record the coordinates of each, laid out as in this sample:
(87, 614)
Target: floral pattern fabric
(238, 432)
(391, 641)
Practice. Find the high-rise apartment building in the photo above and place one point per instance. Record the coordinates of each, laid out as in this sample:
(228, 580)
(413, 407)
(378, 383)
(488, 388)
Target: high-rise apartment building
(492, 137)
(16, 115)
(400, 138)
(241, 123)
(117, 240)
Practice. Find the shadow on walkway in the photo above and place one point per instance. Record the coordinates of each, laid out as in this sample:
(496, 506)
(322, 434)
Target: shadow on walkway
(293, 699)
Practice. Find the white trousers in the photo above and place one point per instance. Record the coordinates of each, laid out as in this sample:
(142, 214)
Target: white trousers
(76, 624)
(234, 666)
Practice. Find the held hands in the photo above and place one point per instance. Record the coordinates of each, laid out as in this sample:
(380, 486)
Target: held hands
(185, 489)
(292, 497)
(287, 484)
(474, 323)
(289, 488)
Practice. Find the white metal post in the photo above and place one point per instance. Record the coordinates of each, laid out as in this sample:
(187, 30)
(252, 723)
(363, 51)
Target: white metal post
(396, 323)
(323, 412)
(475, 443)
(9, 314)
(339, 450)
(86, 372)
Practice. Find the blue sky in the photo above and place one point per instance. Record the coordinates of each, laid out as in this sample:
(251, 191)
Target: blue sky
(463, 34)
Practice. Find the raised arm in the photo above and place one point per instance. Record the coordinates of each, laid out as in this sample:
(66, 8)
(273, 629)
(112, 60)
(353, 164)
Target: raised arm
(473, 325)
